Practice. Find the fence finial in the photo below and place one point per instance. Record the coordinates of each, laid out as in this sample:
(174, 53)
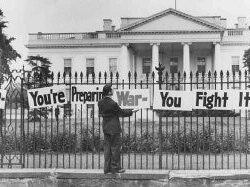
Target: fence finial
(209, 74)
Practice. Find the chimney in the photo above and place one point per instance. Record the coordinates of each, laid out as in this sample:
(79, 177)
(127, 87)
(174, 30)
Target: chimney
(223, 22)
(236, 25)
(113, 28)
(242, 22)
(107, 25)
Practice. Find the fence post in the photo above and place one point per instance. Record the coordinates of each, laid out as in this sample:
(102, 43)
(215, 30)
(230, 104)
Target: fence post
(22, 120)
(160, 72)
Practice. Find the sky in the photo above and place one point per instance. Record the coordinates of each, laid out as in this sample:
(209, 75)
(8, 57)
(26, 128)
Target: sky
(32, 16)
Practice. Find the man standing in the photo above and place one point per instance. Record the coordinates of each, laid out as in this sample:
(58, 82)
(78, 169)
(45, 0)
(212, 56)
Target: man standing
(110, 111)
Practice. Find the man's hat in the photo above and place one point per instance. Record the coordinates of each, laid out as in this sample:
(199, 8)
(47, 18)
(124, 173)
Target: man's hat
(106, 89)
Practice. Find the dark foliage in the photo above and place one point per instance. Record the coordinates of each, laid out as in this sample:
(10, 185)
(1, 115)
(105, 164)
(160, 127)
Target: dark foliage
(200, 113)
(202, 141)
(40, 77)
(7, 53)
(246, 59)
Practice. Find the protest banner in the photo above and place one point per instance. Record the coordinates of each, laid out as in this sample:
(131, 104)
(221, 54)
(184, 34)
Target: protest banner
(2, 98)
(132, 98)
(46, 97)
(139, 98)
(243, 99)
(173, 100)
(216, 99)
(82, 94)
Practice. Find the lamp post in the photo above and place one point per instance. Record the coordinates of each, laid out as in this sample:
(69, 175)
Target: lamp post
(160, 70)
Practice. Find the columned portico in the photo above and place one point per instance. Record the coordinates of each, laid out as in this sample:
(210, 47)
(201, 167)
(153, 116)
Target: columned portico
(155, 58)
(124, 65)
(217, 57)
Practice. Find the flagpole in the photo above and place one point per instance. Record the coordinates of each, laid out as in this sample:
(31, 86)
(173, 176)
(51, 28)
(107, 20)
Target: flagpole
(175, 4)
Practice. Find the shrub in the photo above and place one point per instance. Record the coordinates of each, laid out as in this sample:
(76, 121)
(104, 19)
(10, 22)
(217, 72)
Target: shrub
(63, 142)
(34, 143)
(201, 113)
(90, 140)
(203, 141)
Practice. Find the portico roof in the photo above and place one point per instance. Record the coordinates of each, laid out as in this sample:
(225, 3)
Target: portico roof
(171, 19)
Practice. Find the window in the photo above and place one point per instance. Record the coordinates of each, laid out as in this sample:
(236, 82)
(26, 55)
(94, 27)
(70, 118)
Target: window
(235, 63)
(67, 106)
(201, 64)
(67, 65)
(90, 111)
(146, 65)
(68, 93)
(113, 65)
(174, 65)
(90, 64)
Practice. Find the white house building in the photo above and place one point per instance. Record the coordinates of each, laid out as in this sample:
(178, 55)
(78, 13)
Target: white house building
(179, 41)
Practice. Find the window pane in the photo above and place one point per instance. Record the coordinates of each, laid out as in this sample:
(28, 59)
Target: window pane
(235, 68)
(67, 65)
(90, 65)
(235, 60)
(146, 69)
(201, 64)
(174, 64)
(201, 68)
(146, 65)
(174, 61)
(235, 63)
(67, 70)
(90, 110)
(201, 60)
(90, 62)
(113, 65)
(173, 69)
(90, 70)
(67, 62)
(67, 93)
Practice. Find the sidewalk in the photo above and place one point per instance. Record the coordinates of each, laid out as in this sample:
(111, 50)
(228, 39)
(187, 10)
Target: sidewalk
(81, 177)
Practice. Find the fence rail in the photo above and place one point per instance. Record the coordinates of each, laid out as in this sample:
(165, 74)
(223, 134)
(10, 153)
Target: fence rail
(151, 139)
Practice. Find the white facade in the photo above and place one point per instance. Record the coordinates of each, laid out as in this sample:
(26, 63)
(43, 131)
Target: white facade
(179, 41)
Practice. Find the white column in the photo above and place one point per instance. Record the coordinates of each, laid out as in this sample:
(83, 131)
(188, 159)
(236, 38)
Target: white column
(186, 58)
(186, 63)
(124, 65)
(217, 57)
(155, 58)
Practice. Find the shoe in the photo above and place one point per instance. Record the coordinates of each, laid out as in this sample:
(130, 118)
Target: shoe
(121, 171)
(118, 171)
(107, 172)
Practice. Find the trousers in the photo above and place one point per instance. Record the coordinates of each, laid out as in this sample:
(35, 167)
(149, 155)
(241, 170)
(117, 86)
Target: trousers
(112, 152)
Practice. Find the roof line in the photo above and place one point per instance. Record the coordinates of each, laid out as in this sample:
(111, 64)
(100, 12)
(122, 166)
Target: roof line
(168, 11)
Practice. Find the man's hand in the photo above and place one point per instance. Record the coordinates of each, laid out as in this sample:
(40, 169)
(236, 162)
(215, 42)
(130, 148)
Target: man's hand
(135, 110)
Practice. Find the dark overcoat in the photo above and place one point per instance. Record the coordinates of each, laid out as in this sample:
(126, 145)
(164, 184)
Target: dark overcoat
(111, 111)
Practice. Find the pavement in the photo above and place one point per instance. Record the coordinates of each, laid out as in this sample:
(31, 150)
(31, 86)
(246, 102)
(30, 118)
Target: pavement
(128, 175)
(142, 178)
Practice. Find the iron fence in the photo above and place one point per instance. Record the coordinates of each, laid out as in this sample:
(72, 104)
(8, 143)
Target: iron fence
(70, 136)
